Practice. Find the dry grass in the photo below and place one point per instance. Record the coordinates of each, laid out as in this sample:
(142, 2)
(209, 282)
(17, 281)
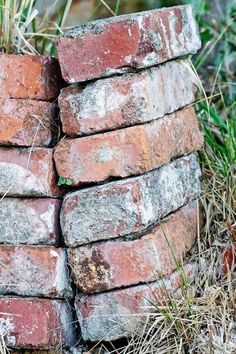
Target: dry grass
(201, 318)
(3, 346)
(24, 30)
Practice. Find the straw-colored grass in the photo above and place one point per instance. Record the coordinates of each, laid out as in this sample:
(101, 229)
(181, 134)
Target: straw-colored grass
(201, 319)
(24, 30)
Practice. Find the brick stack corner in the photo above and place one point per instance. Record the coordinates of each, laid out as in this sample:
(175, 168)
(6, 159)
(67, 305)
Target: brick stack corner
(129, 155)
(128, 215)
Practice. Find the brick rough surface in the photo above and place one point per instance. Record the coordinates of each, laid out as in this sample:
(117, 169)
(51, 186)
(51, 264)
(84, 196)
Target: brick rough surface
(120, 44)
(108, 265)
(27, 122)
(36, 323)
(126, 100)
(34, 271)
(116, 314)
(130, 151)
(29, 221)
(29, 76)
(28, 172)
(126, 207)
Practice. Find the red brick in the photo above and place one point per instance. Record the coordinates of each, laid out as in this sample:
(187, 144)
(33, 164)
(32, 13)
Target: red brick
(126, 100)
(129, 151)
(121, 313)
(34, 271)
(109, 265)
(123, 43)
(27, 122)
(29, 221)
(29, 76)
(28, 172)
(36, 323)
(127, 207)
(229, 259)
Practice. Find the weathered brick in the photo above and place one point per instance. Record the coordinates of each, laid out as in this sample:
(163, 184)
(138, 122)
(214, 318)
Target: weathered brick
(109, 265)
(29, 221)
(116, 314)
(27, 122)
(36, 323)
(126, 207)
(126, 100)
(124, 43)
(29, 76)
(28, 172)
(34, 271)
(130, 151)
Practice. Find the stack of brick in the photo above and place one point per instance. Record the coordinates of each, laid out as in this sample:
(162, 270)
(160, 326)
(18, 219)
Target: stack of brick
(129, 157)
(34, 281)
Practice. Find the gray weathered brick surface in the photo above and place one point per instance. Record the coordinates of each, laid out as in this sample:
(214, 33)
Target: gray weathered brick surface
(126, 100)
(29, 221)
(28, 172)
(112, 264)
(129, 206)
(121, 313)
(34, 271)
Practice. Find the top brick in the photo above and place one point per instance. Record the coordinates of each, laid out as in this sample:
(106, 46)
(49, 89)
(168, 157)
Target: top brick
(124, 43)
(29, 76)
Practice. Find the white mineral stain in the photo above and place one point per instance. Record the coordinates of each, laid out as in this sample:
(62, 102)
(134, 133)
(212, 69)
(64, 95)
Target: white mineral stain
(54, 253)
(140, 23)
(177, 43)
(166, 39)
(99, 99)
(150, 59)
(128, 59)
(18, 180)
(48, 219)
(61, 282)
(105, 154)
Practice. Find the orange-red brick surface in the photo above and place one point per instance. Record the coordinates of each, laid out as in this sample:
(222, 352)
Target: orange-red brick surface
(130, 151)
(123, 43)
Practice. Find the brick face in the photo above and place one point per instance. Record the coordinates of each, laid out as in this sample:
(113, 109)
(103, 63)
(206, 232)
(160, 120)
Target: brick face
(29, 221)
(34, 271)
(109, 265)
(29, 76)
(27, 122)
(129, 206)
(121, 313)
(128, 42)
(129, 151)
(36, 323)
(126, 100)
(28, 172)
